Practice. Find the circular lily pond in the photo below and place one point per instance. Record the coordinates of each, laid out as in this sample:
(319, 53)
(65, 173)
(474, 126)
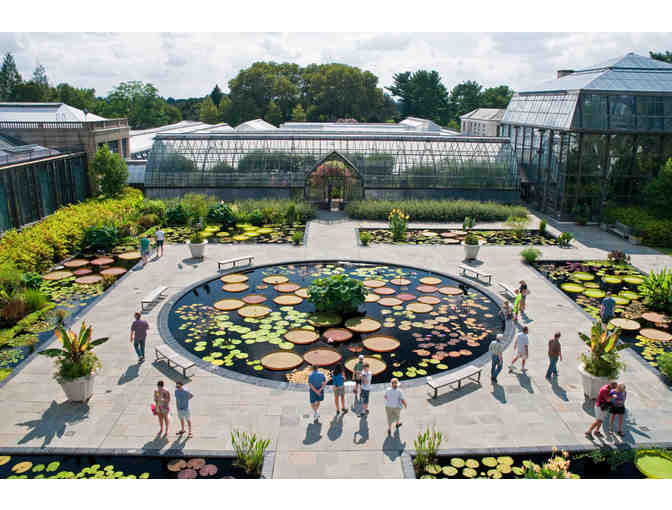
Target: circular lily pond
(261, 323)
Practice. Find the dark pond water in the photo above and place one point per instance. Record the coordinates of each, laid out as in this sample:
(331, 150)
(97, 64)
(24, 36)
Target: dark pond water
(580, 464)
(106, 467)
(590, 276)
(450, 333)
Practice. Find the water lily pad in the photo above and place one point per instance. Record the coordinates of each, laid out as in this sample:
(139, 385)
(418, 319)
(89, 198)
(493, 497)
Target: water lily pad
(102, 261)
(362, 325)
(654, 463)
(324, 319)
(208, 470)
(433, 469)
(469, 472)
(449, 471)
(4, 459)
(572, 287)
(400, 281)
(505, 460)
(75, 263)
(489, 461)
(234, 278)
(381, 343)
(626, 324)
(457, 462)
(240, 237)
(472, 463)
(22, 467)
(450, 291)
(302, 336)
(376, 366)
(431, 280)
(57, 275)
(628, 294)
(633, 280)
(594, 293)
(287, 287)
(338, 334)
(583, 276)
(113, 271)
(656, 318)
(186, 474)
(656, 334)
(373, 284)
(227, 305)
(417, 307)
(620, 300)
(288, 300)
(235, 287)
(275, 279)
(429, 300)
(322, 356)
(281, 360)
(389, 301)
(254, 311)
(302, 293)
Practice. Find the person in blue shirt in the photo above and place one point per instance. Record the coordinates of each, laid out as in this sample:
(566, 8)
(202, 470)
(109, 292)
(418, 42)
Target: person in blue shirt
(182, 398)
(607, 308)
(316, 383)
(339, 388)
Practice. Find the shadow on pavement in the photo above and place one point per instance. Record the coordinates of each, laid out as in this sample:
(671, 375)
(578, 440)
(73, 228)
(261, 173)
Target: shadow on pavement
(54, 421)
(393, 447)
(335, 427)
(313, 433)
(558, 390)
(499, 393)
(525, 382)
(155, 444)
(363, 431)
(131, 373)
(170, 373)
(449, 396)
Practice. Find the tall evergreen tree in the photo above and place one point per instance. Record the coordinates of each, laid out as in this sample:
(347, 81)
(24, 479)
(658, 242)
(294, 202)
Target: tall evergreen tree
(9, 78)
(422, 95)
(663, 57)
(209, 113)
(216, 95)
(40, 76)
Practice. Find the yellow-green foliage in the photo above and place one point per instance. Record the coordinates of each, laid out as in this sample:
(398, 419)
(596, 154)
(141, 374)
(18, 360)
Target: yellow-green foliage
(37, 247)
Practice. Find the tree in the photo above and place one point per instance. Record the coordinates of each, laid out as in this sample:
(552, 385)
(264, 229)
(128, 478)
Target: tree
(298, 114)
(40, 76)
(139, 102)
(216, 95)
(208, 113)
(29, 92)
(663, 57)
(464, 98)
(422, 95)
(77, 98)
(110, 171)
(658, 191)
(224, 110)
(496, 97)
(273, 114)
(9, 77)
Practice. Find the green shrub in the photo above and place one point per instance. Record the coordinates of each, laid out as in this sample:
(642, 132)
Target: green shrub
(290, 213)
(35, 300)
(157, 207)
(655, 229)
(256, 218)
(518, 224)
(658, 191)
(249, 451)
(468, 223)
(564, 239)
(148, 220)
(197, 206)
(302, 211)
(176, 216)
(111, 171)
(542, 226)
(433, 210)
(365, 238)
(297, 237)
(657, 289)
(221, 214)
(398, 222)
(11, 278)
(100, 238)
(530, 254)
(337, 293)
(665, 364)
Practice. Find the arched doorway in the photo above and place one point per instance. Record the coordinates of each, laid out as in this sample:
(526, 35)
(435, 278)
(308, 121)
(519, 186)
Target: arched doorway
(333, 182)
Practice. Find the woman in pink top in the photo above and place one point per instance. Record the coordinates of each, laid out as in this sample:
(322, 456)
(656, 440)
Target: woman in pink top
(162, 406)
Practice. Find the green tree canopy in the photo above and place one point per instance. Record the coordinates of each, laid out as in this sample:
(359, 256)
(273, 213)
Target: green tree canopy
(496, 97)
(110, 170)
(422, 95)
(216, 95)
(465, 97)
(77, 98)
(209, 113)
(298, 114)
(273, 114)
(140, 103)
(663, 57)
(9, 77)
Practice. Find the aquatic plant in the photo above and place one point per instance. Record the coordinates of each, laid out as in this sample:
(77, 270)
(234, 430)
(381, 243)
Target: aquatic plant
(398, 222)
(657, 289)
(556, 467)
(564, 239)
(426, 445)
(337, 293)
(365, 238)
(530, 254)
(249, 450)
(604, 360)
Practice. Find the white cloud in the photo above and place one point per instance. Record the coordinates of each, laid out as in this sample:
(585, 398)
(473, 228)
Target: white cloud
(189, 64)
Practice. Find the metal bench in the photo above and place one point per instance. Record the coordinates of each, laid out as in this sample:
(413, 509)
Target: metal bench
(152, 296)
(507, 290)
(233, 262)
(470, 372)
(164, 353)
(476, 273)
(621, 230)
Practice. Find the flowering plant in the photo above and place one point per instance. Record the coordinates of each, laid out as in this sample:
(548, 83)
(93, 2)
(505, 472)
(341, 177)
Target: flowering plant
(556, 467)
(398, 224)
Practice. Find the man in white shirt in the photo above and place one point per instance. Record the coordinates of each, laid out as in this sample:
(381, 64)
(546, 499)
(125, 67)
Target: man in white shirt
(496, 348)
(394, 399)
(159, 241)
(520, 347)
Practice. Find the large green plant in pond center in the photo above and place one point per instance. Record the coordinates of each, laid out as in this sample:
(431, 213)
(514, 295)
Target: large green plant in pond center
(603, 360)
(337, 293)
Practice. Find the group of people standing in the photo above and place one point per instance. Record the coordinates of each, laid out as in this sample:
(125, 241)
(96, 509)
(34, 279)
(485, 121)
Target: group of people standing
(146, 245)
(317, 382)
(610, 401)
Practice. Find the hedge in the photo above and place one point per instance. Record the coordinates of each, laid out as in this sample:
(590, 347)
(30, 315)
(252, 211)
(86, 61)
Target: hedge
(434, 210)
(38, 247)
(654, 231)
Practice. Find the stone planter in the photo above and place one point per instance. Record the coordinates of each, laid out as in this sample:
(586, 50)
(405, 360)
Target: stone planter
(79, 390)
(591, 384)
(197, 249)
(471, 250)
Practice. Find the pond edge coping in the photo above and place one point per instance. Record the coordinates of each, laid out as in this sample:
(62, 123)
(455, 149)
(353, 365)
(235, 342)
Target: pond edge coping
(167, 337)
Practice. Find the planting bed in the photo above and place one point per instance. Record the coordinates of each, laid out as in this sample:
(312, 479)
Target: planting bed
(241, 233)
(117, 467)
(448, 236)
(586, 283)
(511, 466)
(414, 323)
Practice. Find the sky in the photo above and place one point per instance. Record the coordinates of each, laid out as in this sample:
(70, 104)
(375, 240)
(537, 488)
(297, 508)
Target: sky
(189, 64)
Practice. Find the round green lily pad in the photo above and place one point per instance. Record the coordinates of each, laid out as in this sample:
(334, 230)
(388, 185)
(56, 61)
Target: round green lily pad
(629, 294)
(489, 461)
(472, 463)
(324, 319)
(518, 471)
(612, 280)
(53, 466)
(620, 300)
(582, 276)
(654, 463)
(594, 293)
(572, 287)
(633, 280)
(469, 472)
(433, 469)
(457, 462)
(505, 460)
(449, 471)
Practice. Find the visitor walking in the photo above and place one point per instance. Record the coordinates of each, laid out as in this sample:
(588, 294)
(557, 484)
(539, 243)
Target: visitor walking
(520, 347)
(505, 314)
(339, 388)
(357, 374)
(524, 292)
(159, 235)
(162, 407)
(516, 304)
(366, 388)
(602, 405)
(618, 407)
(394, 399)
(554, 355)
(496, 348)
(139, 330)
(182, 398)
(607, 308)
(316, 383)
(144, 249)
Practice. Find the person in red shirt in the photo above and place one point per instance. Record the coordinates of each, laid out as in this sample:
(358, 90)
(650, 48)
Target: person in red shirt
(601, 409)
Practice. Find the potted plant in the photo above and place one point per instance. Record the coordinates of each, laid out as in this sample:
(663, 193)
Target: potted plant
(471, 242)
(197, 244)
(603, 363)
(75, 362)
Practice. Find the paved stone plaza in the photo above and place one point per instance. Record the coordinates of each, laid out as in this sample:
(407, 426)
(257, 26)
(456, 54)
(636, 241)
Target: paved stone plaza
(524, 411)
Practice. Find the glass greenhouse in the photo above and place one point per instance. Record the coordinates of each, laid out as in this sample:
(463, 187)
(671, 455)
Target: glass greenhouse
(593, 134)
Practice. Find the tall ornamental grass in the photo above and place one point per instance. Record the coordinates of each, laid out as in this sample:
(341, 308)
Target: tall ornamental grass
(434, 210)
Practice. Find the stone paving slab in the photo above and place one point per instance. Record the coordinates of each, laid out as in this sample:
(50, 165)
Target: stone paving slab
(35, 412)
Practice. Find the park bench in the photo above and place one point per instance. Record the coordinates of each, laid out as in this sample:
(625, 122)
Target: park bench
(233, 262)
(470, 372)
(164, 353)
(621, 230)
(476, 273)
(507, 290)
(151, 297)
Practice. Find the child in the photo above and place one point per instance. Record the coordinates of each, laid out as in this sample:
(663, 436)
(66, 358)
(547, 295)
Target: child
(618, 407)
(505, 314)
(516, 304)
(357, 373)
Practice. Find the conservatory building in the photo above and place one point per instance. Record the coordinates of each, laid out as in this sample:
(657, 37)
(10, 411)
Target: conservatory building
(325, 161)
(592, 135)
